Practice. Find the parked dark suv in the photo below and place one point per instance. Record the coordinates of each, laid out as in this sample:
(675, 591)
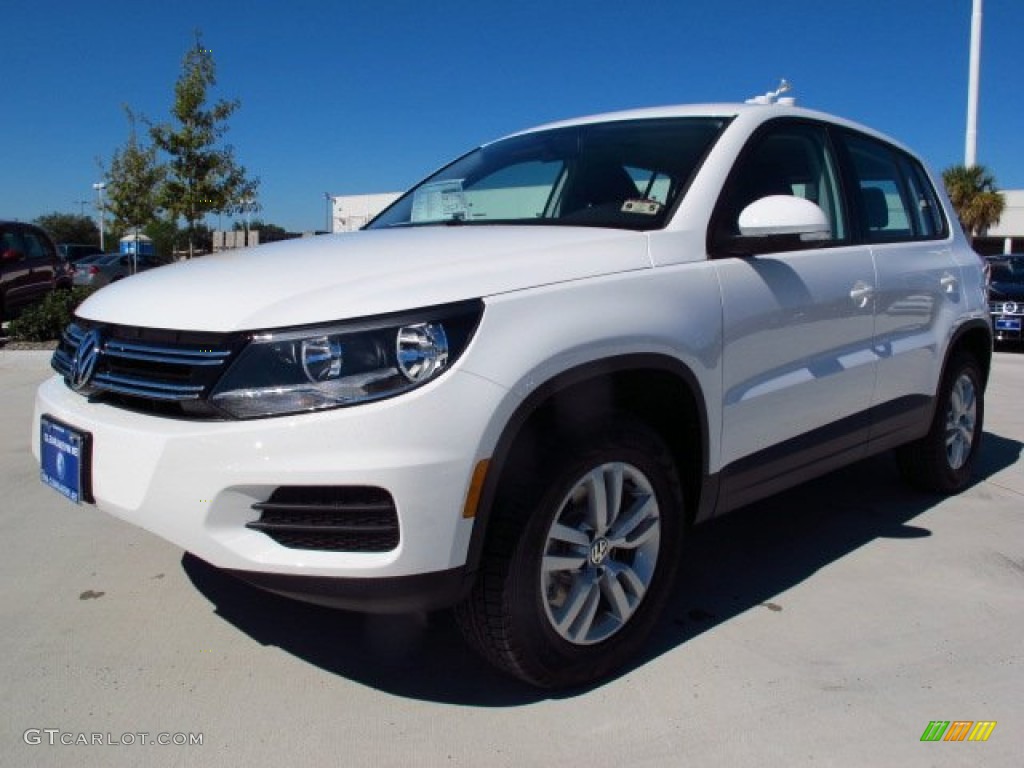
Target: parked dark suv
(29, 266)
(1006, 296)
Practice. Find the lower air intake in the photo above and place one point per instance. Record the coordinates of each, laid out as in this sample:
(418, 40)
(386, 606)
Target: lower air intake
(329, 518)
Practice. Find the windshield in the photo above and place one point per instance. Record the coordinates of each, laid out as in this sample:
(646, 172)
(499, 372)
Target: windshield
(1008, 269)
(627, 174)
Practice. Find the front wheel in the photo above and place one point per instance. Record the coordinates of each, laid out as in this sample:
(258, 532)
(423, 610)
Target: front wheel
(943, 460)
(579, 563)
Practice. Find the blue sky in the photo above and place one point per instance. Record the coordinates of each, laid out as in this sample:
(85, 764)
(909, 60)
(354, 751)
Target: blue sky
(360, 97)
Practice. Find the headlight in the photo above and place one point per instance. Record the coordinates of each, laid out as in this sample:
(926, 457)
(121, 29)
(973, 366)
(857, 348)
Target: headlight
(310, 369)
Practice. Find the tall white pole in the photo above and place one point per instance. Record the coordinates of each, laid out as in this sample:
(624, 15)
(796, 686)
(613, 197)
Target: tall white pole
(971, 139)
(99, 187)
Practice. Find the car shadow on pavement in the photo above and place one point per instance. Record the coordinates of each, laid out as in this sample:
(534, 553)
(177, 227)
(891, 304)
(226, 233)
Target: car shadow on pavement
(744, 560)
(738, 563)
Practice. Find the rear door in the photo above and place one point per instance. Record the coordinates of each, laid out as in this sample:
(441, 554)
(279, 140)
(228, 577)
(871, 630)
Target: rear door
(920, 288)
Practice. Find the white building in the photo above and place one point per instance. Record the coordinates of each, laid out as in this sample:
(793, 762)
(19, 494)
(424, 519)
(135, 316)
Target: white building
(1010, 228)
(350, 212)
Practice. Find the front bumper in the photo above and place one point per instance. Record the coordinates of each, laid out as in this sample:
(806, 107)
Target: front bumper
(194, 484)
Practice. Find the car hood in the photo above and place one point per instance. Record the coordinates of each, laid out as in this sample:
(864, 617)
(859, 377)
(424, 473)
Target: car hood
(359, 274)
(1000, 291)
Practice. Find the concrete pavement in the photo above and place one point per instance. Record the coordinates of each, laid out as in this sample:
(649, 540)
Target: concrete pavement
(826, 626)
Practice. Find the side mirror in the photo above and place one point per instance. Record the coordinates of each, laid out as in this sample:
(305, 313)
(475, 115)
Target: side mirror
(784, 215)
(779, 223)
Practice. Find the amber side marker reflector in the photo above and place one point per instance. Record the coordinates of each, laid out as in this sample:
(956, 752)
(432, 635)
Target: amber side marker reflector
(476, 487)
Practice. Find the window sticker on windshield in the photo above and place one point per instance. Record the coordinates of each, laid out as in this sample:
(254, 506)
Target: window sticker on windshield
(645, 207)
(439, 201)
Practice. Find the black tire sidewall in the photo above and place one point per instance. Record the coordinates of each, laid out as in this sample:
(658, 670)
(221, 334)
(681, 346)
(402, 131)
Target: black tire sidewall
(955, 479)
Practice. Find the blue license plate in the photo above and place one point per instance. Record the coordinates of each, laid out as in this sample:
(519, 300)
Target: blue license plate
(65, 459)
(1007, 323)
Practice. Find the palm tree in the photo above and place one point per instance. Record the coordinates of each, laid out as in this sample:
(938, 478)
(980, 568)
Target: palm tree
(972, 190)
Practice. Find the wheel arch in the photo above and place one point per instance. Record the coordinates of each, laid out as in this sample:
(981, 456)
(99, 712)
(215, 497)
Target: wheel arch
(658, 390)
(974, 337)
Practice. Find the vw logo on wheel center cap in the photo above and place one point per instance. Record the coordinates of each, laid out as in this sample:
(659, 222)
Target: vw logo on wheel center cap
(83, 365)
(599, 551)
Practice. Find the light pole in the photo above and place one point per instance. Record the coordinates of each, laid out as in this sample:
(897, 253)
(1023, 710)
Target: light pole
(974, 75)
(247, 205)
(99, 186)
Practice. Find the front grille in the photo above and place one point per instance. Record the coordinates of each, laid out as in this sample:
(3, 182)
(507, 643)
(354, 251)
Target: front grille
(152, 370)
(1006, 307)
(335, 519)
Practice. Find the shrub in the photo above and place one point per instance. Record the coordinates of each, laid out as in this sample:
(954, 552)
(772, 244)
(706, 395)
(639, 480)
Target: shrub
(45, 321)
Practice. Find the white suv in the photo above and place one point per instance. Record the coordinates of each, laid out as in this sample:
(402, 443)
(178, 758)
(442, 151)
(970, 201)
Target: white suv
(518, 387)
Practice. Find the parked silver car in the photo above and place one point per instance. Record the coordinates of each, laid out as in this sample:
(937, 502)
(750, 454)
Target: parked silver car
(97, 271)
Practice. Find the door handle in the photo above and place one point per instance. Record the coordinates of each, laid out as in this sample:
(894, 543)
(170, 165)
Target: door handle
(861, 294)
(948, 282)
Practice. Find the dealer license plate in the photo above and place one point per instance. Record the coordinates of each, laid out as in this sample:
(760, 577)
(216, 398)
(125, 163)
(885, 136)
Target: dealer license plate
(65, 459)
(1007, 323)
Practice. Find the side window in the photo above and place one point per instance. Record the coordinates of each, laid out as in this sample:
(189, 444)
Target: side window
(36, 247)
(896, 201)
(11, 247)
(787, 159)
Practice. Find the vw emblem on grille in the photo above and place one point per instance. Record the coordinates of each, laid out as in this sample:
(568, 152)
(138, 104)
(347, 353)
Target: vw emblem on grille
(83, 365)
(1010, 308)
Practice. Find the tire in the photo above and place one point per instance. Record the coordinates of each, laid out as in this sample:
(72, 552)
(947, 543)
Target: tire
(943, 460)
(579, 562)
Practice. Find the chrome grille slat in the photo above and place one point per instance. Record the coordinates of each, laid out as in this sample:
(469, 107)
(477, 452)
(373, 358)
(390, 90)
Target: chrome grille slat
(61, 362)
(72, 335)
(128, 385)
(155, 354)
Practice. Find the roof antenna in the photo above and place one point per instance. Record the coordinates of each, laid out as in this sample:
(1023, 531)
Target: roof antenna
(772, 97)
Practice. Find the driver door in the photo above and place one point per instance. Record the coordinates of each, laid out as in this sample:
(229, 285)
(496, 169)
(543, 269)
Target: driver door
(798, 361)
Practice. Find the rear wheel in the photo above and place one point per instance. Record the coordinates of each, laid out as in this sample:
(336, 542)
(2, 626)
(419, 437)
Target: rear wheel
(580, 562)
(943, 460)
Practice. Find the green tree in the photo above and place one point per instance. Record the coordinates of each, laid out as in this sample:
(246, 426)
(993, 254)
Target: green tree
(133, 182)
(164, 233)
(70, 228)
(977, 202)
(203, 176)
